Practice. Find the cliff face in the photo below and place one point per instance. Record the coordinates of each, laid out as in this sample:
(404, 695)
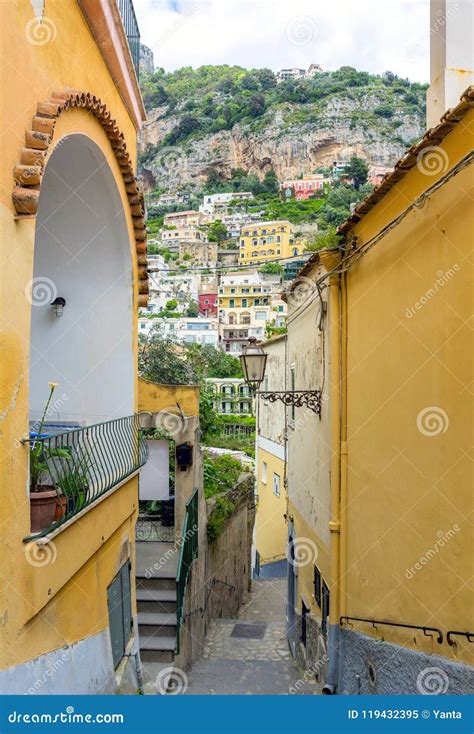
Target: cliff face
(374, 123)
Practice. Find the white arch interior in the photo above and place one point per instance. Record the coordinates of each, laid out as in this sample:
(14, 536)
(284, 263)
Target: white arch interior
(82, 254)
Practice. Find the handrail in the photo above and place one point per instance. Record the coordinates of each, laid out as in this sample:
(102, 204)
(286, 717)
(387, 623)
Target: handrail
(132, 31)
(374, 622)
(187, 553)
(85, 463)
(458, 633)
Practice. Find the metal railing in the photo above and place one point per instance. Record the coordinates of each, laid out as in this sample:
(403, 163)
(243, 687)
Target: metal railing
(132, 31)
(188, 552)
(85, 463)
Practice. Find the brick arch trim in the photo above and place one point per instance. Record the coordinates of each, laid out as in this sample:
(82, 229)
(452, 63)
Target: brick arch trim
(29, 170)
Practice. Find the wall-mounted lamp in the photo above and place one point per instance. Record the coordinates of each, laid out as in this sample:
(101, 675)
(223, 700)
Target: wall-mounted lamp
(184, 456)
(58, 305)
(253, 361)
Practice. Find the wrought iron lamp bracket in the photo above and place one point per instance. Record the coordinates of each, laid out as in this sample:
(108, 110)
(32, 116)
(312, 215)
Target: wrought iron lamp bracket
(310, 399)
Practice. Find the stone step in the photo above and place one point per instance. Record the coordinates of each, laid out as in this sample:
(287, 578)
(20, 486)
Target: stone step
(165, 583)
(157, 623)
(156, 600)
(156, 559)
(156, 649)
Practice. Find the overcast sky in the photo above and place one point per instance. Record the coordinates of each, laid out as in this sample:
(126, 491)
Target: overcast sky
(372, 35)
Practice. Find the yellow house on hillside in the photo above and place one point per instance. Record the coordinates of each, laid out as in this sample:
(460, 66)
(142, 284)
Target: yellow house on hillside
(263, 241)
(380, 595)
(73, 276)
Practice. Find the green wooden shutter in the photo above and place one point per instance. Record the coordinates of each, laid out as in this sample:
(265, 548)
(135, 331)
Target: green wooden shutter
(114, 600)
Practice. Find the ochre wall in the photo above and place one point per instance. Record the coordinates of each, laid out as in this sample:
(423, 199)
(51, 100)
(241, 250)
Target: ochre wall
(152, 398)
(410, 480)
(271, 527)
(92, 547)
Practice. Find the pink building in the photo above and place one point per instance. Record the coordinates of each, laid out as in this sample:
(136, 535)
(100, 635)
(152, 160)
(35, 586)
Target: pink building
(207, 304)
(304, 187)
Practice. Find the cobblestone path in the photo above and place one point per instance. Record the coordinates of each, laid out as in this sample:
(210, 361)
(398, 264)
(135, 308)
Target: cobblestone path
(248, 665)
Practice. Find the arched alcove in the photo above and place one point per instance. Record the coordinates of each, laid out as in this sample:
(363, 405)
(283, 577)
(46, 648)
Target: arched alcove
(82, 254)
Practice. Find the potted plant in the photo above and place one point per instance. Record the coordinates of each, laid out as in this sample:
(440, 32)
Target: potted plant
(43, 494)
(73, 483)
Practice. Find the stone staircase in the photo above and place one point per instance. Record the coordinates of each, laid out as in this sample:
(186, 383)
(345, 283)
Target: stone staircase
(156, 601)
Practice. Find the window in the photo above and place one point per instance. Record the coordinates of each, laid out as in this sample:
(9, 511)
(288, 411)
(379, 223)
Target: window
(244, 302)
(232, 302)
(260, 315)
(304, 624)
(292, 388)
(264, 472)
(120, 612)
(278, 238)
(317, 586)
(276, 484)
(324, 608)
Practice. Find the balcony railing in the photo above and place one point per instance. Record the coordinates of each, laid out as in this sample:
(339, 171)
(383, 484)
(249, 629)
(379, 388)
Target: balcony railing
(127, 11)
(188, 552)
(85, 463)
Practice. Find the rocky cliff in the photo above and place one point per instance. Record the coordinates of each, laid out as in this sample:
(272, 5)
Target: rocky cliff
(291, 138)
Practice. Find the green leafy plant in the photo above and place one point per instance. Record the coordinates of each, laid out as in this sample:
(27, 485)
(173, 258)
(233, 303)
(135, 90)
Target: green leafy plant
(39, 453)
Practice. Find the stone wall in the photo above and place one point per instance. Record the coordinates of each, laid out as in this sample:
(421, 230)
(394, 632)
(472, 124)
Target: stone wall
(221, 575)
(370, 665)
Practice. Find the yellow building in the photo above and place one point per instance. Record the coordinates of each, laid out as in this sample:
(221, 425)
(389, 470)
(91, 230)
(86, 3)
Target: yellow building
(263, 241)
(73, 275)
(380, 488)
(270, 459)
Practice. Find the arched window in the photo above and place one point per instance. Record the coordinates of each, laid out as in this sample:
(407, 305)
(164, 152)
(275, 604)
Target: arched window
(232, 318)
(245, 317)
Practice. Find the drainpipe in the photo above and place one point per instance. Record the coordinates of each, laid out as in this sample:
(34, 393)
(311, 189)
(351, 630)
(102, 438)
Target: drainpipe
(335, 403)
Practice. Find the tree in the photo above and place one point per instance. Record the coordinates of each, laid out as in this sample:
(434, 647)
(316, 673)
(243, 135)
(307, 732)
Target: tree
(358, 170)
(257, 105)
(171, 305)
(160, 360)
(192, 310)
(272, 269)
(213, 181)
(271, 184)
(217, 231)
(326, 239)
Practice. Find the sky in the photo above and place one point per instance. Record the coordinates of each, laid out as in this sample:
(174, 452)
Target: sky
(372, 35)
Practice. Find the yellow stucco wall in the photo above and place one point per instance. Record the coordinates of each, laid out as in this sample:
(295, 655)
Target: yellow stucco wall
(316, 552)
(39, 604)
(409, 411)
(153, 398)
(271, 531)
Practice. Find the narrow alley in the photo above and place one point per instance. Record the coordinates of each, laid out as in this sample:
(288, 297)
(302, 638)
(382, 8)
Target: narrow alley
(250, 654)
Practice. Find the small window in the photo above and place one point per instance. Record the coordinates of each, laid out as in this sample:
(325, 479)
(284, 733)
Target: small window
(317, 586)
(324, 608)
(264, 472)
(304, 623)
(276, 485)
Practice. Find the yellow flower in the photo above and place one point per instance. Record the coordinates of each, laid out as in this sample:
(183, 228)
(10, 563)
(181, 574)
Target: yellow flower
(53, 385)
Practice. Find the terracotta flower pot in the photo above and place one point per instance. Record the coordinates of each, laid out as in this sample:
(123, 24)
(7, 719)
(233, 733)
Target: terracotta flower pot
(42, 508)
(60, 511)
